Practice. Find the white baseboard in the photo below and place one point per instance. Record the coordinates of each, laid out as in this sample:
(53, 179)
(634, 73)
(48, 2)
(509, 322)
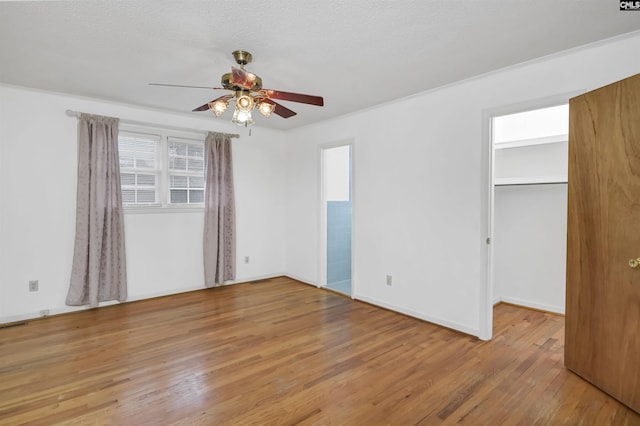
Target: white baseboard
(532, 305)
(399, 309)
(67, 309)
(409, 312)
(302, 280)
(33, 315)
(162, 293)
(419, 315)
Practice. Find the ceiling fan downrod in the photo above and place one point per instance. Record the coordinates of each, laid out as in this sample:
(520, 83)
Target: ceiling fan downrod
(242, 57)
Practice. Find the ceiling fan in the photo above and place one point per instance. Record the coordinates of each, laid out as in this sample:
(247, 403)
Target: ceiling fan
(249, 94)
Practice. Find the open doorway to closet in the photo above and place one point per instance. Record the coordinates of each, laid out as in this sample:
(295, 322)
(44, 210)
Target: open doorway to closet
(337, 211)
(529, 215)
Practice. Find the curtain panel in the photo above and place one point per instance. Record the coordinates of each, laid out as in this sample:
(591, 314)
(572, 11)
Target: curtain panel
(219, 214)
(99, 268)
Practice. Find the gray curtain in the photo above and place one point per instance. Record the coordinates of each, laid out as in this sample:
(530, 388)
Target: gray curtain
(99, 269)
(219, 212)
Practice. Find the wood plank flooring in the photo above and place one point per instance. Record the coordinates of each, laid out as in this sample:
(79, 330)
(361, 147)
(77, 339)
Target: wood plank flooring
(281, 353)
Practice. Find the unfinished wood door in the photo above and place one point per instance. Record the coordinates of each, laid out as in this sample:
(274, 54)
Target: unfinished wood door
(602, 342)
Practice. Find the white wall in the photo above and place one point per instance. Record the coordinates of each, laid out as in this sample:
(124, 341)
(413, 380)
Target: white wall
(2, 225)
(539, 161)
(530, 221)
(337, 185)
(164, 250)
(421, 185)
(530, 245)
(538, 123)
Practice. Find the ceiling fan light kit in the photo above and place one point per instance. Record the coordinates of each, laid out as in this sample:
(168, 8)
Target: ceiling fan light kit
(249, 95)
(218, 107)
(242, 118)
(266, 108)
(244, 102)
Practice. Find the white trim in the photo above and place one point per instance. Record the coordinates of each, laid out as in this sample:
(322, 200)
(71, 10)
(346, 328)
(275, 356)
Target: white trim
(322, 268)
(488, 74)
(322, 240)
(532, 305)
(352, 196)
(145, 296)
(35, 315)
(303, 280)
(533, 141)
(245, 280)
(529, 180)
(157, 208)
(421, 316)
(485, 320)
(398, 309)
(487, 180)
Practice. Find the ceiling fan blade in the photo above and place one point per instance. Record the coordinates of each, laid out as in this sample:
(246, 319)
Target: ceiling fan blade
(294, 97)
(206, 106)
(181, 85)
(243, 78)
(282, 111)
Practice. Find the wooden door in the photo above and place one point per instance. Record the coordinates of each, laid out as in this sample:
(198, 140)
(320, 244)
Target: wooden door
(602, 340)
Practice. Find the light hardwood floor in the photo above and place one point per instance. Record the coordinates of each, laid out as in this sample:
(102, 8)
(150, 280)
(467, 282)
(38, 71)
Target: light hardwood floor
(279, 353)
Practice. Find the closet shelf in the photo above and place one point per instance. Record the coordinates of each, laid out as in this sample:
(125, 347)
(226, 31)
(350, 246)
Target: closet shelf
(529, 180)
(529, 142)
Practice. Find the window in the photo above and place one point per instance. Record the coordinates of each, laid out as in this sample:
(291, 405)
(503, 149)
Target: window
(139, 170)
(160, 170)
(186, 171)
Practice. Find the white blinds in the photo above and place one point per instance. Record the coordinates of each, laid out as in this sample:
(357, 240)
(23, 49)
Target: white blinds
(139, 171)
(186, 171)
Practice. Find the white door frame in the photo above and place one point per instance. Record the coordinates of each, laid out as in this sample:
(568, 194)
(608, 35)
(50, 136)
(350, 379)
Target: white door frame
(487, 168)
(322, 264)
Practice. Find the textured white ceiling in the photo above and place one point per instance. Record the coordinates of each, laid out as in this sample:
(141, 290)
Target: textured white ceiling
(354, 53)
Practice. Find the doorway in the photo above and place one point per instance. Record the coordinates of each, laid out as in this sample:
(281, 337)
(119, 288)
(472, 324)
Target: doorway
(337, 213)
(529, 207)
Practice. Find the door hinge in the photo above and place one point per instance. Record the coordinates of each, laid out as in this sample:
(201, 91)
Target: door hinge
(488, 240)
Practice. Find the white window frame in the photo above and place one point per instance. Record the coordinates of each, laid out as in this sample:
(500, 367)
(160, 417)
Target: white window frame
(187, 173)
(162, 168)
(155, 171)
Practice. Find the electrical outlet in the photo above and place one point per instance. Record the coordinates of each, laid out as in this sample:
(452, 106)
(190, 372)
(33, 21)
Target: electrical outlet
(246, 259)
(389, 280)
(33, 285)
(44, 313)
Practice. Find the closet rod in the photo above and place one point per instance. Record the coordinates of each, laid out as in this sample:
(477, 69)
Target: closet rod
(76, 114)
(530, 183)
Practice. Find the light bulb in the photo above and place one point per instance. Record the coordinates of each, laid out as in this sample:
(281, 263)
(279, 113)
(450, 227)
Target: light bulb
(266, 109)
(245, 103)
(218, 107)
(242, 118)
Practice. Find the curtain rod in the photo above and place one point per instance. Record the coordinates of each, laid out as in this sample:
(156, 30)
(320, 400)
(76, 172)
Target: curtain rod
(76, 114)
